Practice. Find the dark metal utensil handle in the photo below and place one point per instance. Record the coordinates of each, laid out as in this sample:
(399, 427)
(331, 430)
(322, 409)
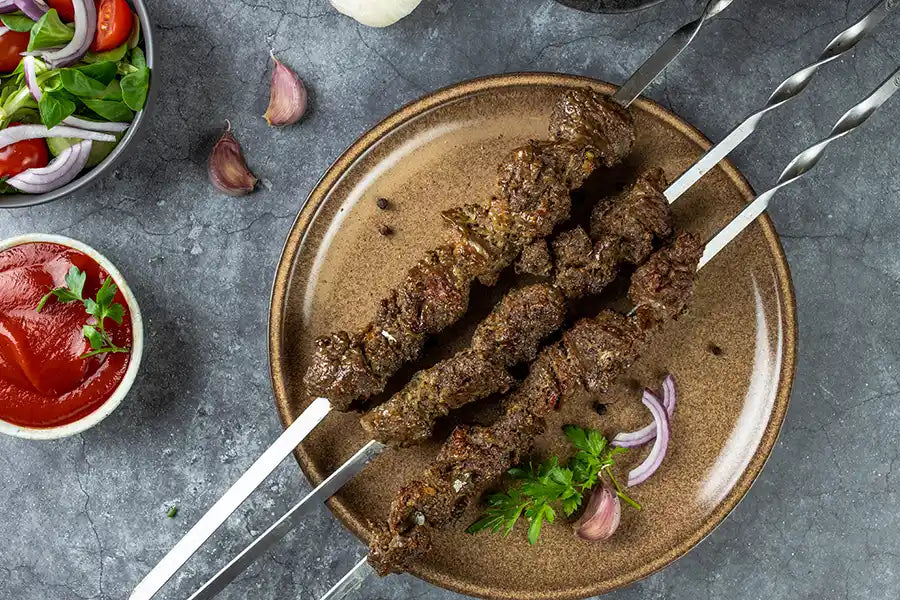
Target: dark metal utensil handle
(665, 54)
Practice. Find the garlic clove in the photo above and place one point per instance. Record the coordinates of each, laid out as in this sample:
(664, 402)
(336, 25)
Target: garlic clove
(376, 13)
(227, 169)
(287, 97)
(601, 516)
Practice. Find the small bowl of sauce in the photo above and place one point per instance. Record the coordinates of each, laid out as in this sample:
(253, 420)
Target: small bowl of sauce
(71, 337)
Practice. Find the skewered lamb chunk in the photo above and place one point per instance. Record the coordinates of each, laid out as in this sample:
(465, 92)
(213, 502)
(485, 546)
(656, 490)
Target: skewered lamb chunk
(512, 333)
(531, 199)
(589, 356)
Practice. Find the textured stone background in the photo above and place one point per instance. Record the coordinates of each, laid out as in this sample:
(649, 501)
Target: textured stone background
(84, 518)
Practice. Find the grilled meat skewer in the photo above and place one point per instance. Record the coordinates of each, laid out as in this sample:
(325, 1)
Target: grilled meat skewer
(587, 359)
(532, 198)
(623, 227)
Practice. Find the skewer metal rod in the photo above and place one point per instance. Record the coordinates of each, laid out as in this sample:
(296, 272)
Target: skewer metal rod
(665, 54)
(789, 89)
(228, 503)
(350, 582)
(802, 164)
(289, 520)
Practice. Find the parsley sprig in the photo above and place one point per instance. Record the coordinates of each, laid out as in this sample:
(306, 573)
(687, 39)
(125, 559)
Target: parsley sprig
(547, 483)
(100, 308)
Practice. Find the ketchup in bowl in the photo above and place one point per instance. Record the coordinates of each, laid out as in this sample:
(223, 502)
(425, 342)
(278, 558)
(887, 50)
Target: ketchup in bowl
(46, 379)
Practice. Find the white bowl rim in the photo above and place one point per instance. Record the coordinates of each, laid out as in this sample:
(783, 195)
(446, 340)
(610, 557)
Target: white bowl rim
(137, 348)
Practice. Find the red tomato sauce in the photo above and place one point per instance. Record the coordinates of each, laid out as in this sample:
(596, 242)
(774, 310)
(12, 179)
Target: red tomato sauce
(43, 380)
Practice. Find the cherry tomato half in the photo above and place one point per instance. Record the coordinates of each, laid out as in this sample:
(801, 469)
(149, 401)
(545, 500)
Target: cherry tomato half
(113, 25)
(26, 154)
(12, 44)
(64, 8)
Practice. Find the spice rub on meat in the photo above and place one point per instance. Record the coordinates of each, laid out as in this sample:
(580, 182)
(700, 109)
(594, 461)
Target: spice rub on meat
(587, 358)
(532, 197)
(513, 332)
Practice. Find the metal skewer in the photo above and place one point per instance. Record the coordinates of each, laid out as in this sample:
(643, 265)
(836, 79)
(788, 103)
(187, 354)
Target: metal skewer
(798, 167)
(319, 409)
(789, 89)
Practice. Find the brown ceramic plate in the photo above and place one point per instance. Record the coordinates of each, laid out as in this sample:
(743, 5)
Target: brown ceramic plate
(733, 353)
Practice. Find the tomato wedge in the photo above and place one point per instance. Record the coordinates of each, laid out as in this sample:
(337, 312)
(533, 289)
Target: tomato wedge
(114, 20)
(26, 154)
(64, 8)
(12, 44)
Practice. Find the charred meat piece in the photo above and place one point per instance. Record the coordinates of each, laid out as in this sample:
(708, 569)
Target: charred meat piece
(535, 260)
(596, 122)
(635, 217)
(532, 199)
(513, 331)
(511, 334)
(588, 357)
(584, 267)
(661, 287)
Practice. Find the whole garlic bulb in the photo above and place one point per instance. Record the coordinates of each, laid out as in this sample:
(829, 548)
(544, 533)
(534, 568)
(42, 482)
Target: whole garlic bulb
(376, 13)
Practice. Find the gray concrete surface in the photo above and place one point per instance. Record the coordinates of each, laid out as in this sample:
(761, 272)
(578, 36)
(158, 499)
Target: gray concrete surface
(85, 518)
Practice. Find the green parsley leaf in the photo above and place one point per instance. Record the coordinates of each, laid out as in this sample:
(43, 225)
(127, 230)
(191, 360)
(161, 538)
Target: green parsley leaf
(99, 308)
(547, 483)
(107, 292)
(75, 280)
(172, 512)
(93, 336)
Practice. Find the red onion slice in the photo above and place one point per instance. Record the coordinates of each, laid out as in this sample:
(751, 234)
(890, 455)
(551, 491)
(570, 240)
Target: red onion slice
(8, 6)
(61, 170)
(4, 31)
(31, 8)
(30, 70)
(11, 135)
(85, 28)
(648, 434)
(647, 468)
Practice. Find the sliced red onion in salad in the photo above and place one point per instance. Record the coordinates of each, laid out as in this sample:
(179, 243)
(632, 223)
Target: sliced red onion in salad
(29, 65)
(11, 135)
(8, 6)
(647, 468)
(3, 30)
(61, 170)
(85, 28)
(32, 8)
(647, 434)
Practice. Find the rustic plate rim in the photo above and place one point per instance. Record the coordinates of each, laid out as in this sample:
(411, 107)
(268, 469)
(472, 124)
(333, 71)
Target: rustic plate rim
(456, 91)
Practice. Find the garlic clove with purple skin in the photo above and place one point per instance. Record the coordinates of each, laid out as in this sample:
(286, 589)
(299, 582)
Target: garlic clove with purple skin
(287, 98)
(601, 516)
(227, 169)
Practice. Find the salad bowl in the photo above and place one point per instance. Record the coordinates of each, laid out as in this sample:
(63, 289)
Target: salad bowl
(123, 148)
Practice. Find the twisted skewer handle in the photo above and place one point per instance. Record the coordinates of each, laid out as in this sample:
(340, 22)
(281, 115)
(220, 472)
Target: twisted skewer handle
(789, 89)
(665, 54)
(802, 164)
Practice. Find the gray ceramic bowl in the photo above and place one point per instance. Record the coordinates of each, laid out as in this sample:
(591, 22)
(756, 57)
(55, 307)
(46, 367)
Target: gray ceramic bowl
(123, 147)
(609, 6)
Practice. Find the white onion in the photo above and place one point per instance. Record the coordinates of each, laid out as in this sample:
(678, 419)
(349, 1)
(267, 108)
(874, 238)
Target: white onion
(61, 170)
(376, 13)
(11, 135)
